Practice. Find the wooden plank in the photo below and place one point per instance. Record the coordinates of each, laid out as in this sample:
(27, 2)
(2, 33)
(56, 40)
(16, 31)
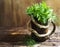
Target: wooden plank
(18, 40)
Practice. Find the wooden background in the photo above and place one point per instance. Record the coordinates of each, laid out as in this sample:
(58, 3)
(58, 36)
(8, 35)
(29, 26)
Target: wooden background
(55, 4)
(12, 12)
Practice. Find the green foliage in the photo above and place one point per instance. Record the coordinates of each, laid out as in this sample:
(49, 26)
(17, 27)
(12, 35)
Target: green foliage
(29, 41)
(40, 11)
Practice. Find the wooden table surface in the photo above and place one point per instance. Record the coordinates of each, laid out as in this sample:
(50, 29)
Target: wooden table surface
(16, 40)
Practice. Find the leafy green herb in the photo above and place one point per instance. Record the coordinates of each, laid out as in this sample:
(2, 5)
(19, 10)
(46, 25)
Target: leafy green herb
(29, 41)
(40, 11)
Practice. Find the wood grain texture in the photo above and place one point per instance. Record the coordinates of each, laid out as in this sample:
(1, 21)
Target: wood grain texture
(18, 40)
(12, 12)
(1, 11)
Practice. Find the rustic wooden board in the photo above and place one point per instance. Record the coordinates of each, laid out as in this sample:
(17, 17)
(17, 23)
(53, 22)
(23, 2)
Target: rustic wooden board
(16, 40)
(12, 12)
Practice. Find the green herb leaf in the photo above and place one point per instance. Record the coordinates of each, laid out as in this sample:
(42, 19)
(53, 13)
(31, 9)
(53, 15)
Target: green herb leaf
(41, 11)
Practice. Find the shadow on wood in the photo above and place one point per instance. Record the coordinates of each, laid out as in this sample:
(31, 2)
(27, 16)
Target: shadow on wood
(14, 39)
